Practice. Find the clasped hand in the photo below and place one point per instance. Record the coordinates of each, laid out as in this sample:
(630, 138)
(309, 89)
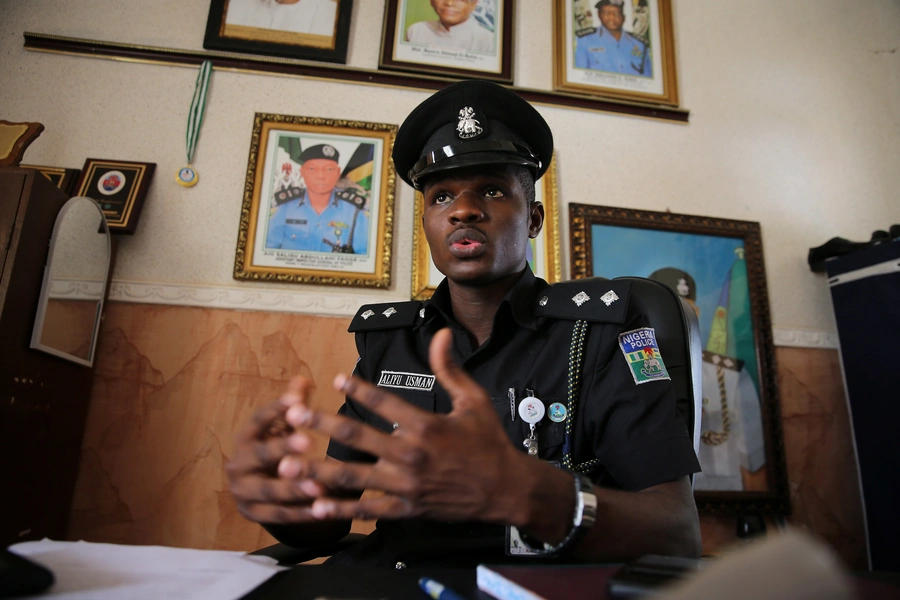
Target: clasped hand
(456, 466)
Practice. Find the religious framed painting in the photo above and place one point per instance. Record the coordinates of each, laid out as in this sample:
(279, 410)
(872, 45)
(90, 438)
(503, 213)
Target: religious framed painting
(717, 266)
(119, 187)
(301, 29)
(318, 202)
(456, 38)
(543, 252)
(620, 49)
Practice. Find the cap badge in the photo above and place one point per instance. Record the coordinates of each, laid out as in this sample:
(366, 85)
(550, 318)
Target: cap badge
(422, 313)
(580, 298)
(367, 314)
(609, 297)
(389, 312)
(683, 288)
(328, 150)
(468, 126)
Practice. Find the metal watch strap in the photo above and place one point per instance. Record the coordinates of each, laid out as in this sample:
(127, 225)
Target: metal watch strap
(583, 519)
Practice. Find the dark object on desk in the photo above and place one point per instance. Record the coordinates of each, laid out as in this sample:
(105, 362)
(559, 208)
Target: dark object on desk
(839, 246)
(572, 582)
(750, 525)
(20, 576)
(645, 576)
(865, 292)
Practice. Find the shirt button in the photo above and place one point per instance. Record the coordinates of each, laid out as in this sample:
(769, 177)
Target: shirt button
(400, 565)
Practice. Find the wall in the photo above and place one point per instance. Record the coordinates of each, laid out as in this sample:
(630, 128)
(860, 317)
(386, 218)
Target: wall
(794, 123)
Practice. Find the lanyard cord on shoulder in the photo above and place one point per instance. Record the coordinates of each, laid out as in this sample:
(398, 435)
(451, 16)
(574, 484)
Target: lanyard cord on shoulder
(573, 382)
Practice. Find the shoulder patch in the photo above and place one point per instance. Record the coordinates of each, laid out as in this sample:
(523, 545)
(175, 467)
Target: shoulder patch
(596, 299)
(641, 352)
(388, 315)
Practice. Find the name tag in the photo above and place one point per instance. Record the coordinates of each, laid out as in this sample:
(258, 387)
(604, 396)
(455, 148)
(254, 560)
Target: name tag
(295, 221)
(406, 381)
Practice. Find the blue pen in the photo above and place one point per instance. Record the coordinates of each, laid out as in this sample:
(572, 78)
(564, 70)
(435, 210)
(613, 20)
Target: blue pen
(437, 590)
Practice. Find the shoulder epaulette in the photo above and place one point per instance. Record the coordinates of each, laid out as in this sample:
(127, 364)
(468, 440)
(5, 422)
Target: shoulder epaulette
(388, 315)
(725, 361)
(291, 193)
(586, 31)
(351, 196)
(637, 39)
(596, 299)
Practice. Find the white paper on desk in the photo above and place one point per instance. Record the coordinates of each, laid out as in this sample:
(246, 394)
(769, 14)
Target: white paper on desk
(85, 570)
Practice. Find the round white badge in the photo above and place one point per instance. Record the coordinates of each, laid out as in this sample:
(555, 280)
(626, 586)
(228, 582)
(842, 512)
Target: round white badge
(531, 410)
(111, 182)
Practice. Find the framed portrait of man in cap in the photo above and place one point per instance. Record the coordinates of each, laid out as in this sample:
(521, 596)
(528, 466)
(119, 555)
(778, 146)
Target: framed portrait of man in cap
(716, 265)
(615, 48)
(318, 202)
(468, 38)
(307, 29)
(543, 252)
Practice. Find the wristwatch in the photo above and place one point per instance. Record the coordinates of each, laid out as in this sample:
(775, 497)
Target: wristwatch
(583, 519)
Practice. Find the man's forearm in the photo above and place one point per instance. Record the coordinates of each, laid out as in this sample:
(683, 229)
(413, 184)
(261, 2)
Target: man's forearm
(658, 520)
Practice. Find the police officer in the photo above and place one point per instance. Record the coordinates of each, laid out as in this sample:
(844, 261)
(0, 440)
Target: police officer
(611, 48)
(320, 218)
(504, 415)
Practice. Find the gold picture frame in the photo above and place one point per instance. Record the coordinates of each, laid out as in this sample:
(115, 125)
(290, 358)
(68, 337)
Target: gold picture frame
(639, 66)
(349, 242)
(425, 277)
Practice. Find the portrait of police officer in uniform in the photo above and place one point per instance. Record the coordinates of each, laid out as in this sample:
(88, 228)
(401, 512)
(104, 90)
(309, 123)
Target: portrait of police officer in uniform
(732, 447)
(503, 415)
(610, 47)
(320, 217)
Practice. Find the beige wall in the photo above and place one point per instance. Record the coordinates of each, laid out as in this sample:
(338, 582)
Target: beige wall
(794, 123)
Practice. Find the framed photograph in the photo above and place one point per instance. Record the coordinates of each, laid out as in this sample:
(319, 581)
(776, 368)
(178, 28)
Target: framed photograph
(464, 38)
(302, 29)
(64, 179)
(717, 266)
(318, 202)
(616, 49)
(543, 251)
(119, 187)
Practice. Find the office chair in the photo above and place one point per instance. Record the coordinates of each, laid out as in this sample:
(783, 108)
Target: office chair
(678, 335)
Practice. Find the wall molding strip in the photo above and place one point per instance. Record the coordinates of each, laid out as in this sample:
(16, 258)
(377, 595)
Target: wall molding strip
(332, 304)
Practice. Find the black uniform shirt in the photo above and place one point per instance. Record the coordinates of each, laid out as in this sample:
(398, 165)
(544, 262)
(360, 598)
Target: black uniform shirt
(634, 430)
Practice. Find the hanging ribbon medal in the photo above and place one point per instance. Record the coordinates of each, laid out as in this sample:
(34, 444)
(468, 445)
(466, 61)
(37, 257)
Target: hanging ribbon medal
(186, 175)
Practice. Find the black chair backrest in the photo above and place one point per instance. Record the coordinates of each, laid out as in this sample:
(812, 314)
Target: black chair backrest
(678, 335)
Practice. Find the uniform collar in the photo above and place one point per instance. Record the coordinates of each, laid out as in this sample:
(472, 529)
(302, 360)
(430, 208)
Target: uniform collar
(521, 300)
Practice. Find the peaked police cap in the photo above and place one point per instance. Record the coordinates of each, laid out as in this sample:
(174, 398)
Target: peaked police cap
(471, 123)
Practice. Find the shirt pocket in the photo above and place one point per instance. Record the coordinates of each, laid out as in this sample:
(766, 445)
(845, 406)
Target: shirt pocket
(419, 399)
(297, 232)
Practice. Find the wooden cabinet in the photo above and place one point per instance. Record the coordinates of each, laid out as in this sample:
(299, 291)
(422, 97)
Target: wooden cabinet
(43, 399)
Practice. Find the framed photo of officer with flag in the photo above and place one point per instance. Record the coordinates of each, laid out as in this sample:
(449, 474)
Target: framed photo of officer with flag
(318, 202)
(717, 266)
(615, 48)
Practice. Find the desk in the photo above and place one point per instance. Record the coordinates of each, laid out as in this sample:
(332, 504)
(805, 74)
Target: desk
(308, 582)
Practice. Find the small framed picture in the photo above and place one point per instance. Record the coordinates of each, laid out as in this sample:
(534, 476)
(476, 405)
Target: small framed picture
(119, 187)
(543, 252)
(302, 29)
(717, 266)
(615, 48)
(64, 179)
(465, 38)
(318, 202)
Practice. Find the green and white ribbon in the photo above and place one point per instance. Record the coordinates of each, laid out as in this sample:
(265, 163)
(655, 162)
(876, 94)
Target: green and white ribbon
(186, 176)
(198, 108)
